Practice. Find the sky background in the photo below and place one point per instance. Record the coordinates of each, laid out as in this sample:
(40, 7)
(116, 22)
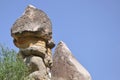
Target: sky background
(90, 28)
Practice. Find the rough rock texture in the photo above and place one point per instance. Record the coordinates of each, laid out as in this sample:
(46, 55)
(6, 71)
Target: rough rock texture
(37, 68)
(66, 67)
(32, 34)
(33, 22)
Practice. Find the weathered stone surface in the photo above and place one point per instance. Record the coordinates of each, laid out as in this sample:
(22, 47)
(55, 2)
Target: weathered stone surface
(37, 68)
(33, 22)
(32, 34)
(34, 50)
(28, 41)
(66, 67)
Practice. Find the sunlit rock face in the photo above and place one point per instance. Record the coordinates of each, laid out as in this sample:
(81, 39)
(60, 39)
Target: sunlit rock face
(32, 34)
(66, 67)
(33, 22)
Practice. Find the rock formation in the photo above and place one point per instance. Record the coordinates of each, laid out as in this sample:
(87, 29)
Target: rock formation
(32, 34)
(66, 67)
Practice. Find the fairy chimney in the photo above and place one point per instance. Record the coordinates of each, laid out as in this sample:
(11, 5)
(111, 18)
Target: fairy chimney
(32, 34)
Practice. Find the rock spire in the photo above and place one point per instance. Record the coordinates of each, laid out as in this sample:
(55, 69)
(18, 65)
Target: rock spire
(66, 67)
(32, 34)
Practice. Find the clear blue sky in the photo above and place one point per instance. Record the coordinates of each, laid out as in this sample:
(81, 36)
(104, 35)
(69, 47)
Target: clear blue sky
(90, 28)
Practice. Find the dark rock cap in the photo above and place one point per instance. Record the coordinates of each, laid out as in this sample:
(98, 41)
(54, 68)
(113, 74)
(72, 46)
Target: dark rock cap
(66, 67)
(34, 21)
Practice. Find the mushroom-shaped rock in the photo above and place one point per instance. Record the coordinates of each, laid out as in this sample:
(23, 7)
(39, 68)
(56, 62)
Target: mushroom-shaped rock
(32, 34)
(66, 67)
(34, 21)
(32, 26)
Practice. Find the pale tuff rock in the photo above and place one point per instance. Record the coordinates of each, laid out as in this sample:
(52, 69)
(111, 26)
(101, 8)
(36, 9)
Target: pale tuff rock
(66, 67)
(33, 22)
(37, 68)
(32, 34)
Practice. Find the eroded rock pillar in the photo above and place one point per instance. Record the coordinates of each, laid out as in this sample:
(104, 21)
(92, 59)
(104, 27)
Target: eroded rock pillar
(32, 34)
